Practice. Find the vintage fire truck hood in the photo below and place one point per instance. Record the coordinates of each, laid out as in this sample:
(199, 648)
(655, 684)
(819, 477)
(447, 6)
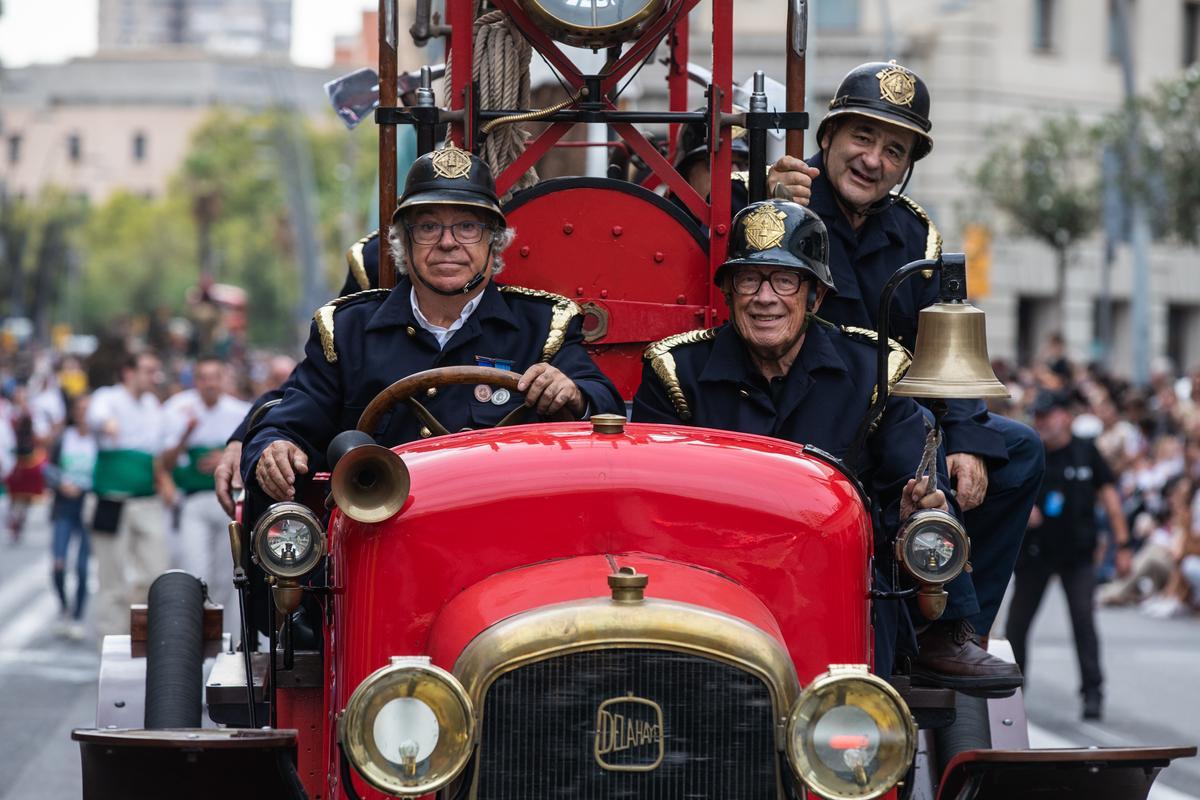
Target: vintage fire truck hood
(737, 523)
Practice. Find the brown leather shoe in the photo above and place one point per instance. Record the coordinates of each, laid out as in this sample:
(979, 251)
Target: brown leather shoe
(950, 657)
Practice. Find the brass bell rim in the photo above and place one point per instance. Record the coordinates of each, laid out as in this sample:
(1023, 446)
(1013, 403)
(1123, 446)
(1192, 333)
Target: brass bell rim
(950, 390)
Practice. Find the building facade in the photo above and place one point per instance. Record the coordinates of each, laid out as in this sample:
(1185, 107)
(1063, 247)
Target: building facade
(97, 125)
(229, 27)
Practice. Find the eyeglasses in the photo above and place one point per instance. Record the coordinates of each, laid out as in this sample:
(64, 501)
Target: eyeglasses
(466, 232)
(785, 282)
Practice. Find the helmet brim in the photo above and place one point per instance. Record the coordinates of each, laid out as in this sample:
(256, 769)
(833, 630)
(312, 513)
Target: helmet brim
(767, 258)
(450, 197)
(924, 142)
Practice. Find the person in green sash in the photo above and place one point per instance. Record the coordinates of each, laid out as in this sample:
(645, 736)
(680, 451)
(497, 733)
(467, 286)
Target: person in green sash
(198, 422)
(129, 526)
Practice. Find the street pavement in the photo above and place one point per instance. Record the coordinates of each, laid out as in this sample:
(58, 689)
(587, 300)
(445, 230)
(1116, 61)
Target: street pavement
(48, 682)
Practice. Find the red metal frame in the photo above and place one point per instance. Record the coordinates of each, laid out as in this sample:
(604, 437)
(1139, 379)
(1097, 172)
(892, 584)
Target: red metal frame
(712, 213)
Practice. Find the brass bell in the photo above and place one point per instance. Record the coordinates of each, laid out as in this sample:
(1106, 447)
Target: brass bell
(950, 358)
(370, 483)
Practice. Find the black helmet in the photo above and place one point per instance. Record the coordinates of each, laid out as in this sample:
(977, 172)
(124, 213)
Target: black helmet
(692, 142)
(887, 92)
(779, 233)
(450, 176)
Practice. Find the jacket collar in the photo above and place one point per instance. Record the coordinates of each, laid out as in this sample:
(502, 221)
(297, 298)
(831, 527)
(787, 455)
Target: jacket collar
(396, 310)
(730, 361)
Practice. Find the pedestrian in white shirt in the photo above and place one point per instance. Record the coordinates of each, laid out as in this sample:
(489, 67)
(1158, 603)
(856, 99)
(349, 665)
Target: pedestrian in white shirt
(198, 423)
(129, 526)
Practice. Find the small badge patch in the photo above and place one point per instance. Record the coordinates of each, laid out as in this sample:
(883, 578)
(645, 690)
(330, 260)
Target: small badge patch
(483, 393)
(764, 227)
(500, 396)
(897, 85)
(451, 163)
(505, 364)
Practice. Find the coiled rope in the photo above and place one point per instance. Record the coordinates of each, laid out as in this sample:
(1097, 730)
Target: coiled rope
(501, 74)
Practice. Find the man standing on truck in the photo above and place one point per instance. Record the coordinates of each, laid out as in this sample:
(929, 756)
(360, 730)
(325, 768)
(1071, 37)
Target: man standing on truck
(876, 130)
(777, 370)
(448, 235)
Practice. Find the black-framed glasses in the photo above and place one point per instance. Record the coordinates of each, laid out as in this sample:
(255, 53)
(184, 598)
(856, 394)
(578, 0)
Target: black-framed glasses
(469, 231)
(784, 281)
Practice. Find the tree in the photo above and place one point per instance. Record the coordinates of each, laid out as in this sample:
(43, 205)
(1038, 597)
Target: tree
(1170, 156)
(1047, 182)
(225, 211)
(37, 255)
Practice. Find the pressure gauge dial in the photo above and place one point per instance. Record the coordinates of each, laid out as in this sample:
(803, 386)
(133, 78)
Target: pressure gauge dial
(594, 23)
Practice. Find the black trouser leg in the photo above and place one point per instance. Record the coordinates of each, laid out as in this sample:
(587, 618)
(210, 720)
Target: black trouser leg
(1028, 588)
(1079, 583)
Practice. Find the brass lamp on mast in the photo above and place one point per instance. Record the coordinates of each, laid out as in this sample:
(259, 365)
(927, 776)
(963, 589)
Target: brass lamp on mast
(950, 361)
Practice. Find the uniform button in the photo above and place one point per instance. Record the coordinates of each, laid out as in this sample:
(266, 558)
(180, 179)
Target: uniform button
(411, 330)
(425, 432)
(744, 392)
(432, 392)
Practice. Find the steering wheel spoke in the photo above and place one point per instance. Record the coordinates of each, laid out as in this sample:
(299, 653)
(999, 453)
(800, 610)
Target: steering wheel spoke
(426, 416)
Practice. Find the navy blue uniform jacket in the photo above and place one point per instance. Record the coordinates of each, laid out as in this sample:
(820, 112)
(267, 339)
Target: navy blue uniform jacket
(862, 261)
(377, 341)
(821, 402)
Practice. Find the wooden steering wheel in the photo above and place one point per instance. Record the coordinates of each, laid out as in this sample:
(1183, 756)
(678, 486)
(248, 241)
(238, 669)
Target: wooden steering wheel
(407, 389)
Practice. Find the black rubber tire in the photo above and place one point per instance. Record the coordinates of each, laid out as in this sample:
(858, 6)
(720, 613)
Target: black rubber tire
(971, 730)
(174, 651)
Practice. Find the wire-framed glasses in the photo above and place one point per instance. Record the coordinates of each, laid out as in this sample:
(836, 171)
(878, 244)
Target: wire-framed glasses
(469, 231)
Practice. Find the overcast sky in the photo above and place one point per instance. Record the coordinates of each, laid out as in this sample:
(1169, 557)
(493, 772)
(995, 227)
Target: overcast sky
(47, 31)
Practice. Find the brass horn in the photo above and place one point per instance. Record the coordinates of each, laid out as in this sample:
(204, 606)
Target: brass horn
(370, 483)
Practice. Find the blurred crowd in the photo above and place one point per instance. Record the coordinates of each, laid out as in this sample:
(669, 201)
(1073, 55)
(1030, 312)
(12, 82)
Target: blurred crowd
(1150, 438)
(153, 406)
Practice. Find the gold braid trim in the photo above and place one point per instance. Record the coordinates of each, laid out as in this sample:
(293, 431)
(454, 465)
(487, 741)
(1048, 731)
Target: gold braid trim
(663, 364)
(354, 260)
(565, 310)
(933, 240)
(324, 318)
(899, 359)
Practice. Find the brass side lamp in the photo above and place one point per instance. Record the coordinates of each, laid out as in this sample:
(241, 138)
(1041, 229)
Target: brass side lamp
(950, 361)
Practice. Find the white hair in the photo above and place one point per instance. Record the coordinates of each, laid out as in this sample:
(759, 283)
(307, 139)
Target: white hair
(501, 239)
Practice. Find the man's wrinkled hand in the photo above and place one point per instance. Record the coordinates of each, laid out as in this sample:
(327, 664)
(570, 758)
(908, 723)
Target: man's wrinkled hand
(914, 499)
(548, 390)
(970, 474)
(228, 477)
(278, 467)
(791, 175)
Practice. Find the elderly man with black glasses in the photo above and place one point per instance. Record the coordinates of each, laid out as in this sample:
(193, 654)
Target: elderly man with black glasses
(448, 235)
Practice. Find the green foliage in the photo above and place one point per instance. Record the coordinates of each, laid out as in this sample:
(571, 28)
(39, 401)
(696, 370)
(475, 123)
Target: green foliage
(1046, 181)
(1170, 156)
(227, 207)
(138, 255)
(37, 240)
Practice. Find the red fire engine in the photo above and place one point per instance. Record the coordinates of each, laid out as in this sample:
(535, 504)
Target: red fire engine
(585, 610)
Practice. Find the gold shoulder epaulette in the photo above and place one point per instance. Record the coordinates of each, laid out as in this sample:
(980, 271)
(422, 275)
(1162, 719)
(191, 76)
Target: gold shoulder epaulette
(324, 317)
(899, 358)
(354, 260)
(663, 364)
(933, 240)
(565, 310)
